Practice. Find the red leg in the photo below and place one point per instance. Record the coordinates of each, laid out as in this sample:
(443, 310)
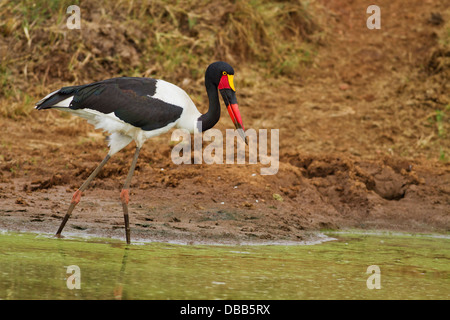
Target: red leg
(76, 198)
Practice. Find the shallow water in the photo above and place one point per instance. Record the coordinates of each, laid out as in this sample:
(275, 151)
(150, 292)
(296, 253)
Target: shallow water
(34, 266)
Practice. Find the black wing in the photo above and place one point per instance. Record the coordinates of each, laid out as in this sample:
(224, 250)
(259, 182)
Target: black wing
(131, 100)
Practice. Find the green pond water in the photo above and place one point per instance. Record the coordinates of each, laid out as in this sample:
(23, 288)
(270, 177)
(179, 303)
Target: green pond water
(35, 266)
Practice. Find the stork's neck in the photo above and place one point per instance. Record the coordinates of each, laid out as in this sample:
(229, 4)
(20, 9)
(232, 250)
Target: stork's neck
(210, 118)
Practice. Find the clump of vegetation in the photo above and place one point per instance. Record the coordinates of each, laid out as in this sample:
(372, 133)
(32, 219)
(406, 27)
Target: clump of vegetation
(439, 122)
(442, 118)
(174, 40)
(439, 66)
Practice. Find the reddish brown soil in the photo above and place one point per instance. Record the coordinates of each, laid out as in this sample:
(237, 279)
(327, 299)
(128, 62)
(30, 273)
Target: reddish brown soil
(352, 150)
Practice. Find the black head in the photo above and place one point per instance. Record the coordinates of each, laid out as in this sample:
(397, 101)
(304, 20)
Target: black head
(220, 75)
(216, 70)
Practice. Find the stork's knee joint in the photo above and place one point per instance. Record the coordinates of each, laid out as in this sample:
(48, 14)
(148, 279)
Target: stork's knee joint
(125, 196)
(76, 197)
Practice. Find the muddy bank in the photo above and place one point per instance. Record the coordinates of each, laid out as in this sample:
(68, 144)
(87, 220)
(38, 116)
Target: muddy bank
(363, 144)
(230, 203)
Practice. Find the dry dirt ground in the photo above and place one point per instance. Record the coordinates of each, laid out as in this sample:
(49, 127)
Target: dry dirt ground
(352, 154)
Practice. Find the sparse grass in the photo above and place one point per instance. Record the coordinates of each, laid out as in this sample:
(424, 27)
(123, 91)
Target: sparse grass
(174, 40)
(440, 120)
(442, 155)
(442, 124)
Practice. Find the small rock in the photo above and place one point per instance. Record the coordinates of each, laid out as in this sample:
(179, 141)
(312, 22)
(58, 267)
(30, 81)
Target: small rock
(344, 86)
(21, 201)
(435, 19)
(199, 206)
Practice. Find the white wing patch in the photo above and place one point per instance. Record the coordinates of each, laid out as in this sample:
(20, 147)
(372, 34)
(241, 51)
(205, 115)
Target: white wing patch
(65, 103)
(173, 94)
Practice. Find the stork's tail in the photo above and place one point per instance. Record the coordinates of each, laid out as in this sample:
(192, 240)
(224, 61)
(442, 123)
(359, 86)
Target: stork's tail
(60, 98)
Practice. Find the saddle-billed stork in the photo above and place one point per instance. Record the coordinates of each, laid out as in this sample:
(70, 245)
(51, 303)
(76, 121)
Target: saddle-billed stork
(137, 109)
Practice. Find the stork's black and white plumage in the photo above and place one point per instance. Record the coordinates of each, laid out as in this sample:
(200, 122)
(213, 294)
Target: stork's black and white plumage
(140, 108)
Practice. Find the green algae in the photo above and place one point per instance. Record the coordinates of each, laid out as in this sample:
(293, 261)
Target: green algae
(34, 266)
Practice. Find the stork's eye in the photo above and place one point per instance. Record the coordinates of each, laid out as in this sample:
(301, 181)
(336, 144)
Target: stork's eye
(224, 73)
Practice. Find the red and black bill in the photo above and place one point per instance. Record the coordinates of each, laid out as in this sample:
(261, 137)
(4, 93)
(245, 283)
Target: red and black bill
(226, 88)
